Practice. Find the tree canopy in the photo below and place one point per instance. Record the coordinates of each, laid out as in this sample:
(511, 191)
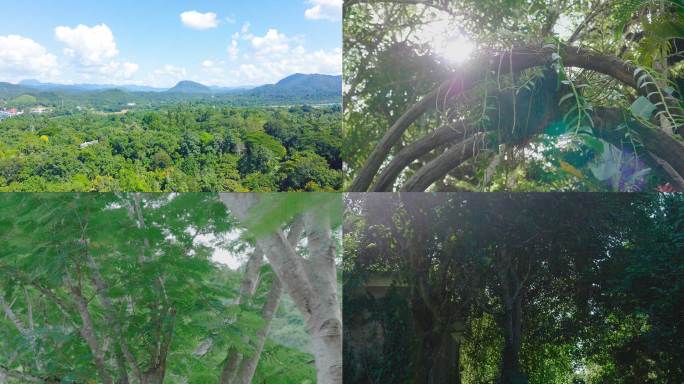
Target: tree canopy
(519, 95)
(126, 288)
(513, 288)
(186, 147)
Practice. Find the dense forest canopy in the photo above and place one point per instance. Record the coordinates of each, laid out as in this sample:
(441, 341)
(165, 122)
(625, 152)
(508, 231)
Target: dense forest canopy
(189, 146)
(514, 95)
(127, 288)
(514, 288)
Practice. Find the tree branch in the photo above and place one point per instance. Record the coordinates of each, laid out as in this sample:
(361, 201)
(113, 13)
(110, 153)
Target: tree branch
(443, 164)
(465, 79)
(437, 138)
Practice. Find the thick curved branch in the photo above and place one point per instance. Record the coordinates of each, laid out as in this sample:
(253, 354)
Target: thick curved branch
(439, 167)
(437, 138)
(519, 59)
(655, 141)
(460, 82)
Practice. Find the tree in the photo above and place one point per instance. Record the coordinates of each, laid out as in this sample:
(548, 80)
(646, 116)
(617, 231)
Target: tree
(418, 122)
(122, 289)
(310, 281)
(511, 288)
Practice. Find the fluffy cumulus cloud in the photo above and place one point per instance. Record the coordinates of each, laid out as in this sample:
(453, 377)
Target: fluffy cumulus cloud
(200, 21)
(21, 57)
(93, 53)
(324, 10)
(268, 57)
(91, 45)
(273, 42)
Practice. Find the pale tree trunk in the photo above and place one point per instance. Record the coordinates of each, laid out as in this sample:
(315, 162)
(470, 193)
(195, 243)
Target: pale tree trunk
(250, 281)
(242, 370)
(311, 283)
(249, 365)
(325, 324)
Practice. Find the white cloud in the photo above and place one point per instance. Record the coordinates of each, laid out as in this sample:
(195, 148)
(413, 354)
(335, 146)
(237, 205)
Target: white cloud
(275, 55)
(115, 70)
(231, 19)
(91, 45)
(245, 27)
(269, 70)
(129, 69)
(324, 10)
(214, 71)
(92, 52)
(200, 21)
(167, 76)
(272, 42)
(233, 50)
(21, 57)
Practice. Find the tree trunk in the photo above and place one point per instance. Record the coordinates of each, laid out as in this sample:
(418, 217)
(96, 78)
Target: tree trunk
(446, 361)
(511, 372)
(154, 376)
(250, 281)
(437, 358)
(511, 295)
(312, 283)
(87, 328)
(88, 333)
(230, 367)
(249, 365)
(326, 343)
(325, 323)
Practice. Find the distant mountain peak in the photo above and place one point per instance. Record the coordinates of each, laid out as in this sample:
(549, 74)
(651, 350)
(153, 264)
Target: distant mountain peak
(304, 77)
(301, 84)
(30, 82)
(187, 86)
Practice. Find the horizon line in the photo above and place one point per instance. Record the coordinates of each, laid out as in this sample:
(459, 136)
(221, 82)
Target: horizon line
(156, 87)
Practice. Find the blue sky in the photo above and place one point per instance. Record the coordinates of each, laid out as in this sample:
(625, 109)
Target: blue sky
(159, 42)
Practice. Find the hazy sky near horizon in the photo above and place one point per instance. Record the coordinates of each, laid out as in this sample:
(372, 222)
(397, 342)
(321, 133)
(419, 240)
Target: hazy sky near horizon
(160, 42)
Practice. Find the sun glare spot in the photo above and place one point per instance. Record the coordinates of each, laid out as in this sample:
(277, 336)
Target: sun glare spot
(455, 50)
(446, 41)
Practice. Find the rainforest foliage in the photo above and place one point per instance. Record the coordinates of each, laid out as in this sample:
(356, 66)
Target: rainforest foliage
(126, 288)
(514, 288)
(199, 146)
(514, 95)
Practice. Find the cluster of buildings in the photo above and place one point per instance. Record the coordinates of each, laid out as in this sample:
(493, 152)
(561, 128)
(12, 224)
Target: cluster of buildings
(6, 113)
(11, 112)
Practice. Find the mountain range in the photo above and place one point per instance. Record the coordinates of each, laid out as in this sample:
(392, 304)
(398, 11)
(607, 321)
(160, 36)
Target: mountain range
(298, 84)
